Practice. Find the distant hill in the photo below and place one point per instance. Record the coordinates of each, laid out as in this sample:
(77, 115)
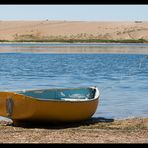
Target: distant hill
(73, 31)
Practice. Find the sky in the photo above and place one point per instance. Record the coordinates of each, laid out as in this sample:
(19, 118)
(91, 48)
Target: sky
(75, 12)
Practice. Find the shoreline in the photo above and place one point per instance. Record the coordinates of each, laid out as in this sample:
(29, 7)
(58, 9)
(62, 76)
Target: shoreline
(60, 47)
(95, 130)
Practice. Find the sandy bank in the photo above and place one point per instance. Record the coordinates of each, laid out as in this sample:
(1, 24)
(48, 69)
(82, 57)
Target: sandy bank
(57, 30)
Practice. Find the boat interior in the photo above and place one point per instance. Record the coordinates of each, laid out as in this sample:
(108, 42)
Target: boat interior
(61, 94)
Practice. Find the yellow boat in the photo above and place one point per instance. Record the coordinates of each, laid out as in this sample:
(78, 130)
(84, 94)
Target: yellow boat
(53, 105)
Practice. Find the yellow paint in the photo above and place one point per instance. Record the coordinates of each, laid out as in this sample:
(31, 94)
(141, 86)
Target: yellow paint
(31, 109)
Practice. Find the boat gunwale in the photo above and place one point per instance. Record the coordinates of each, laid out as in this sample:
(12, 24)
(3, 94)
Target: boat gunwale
(96, 97)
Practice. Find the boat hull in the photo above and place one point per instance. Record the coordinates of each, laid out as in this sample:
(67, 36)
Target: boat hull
(21, 108)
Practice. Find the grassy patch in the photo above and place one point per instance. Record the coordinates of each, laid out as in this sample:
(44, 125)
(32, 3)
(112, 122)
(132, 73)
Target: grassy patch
(31, 38)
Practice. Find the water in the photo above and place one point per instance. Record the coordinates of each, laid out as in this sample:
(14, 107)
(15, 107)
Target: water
(121, 78)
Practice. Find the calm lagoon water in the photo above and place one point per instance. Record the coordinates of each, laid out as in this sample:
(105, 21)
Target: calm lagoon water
(121, 78)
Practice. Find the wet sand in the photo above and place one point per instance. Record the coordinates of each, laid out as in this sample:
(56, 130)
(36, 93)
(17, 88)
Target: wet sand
(96, 130)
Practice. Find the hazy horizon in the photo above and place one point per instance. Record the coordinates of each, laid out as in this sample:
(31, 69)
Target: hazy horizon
(74, 12)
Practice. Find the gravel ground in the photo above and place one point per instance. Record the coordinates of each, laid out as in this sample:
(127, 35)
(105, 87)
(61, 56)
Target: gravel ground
(92, 131)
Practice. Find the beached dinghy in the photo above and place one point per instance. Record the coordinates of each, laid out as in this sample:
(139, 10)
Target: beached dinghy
(54, 105)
